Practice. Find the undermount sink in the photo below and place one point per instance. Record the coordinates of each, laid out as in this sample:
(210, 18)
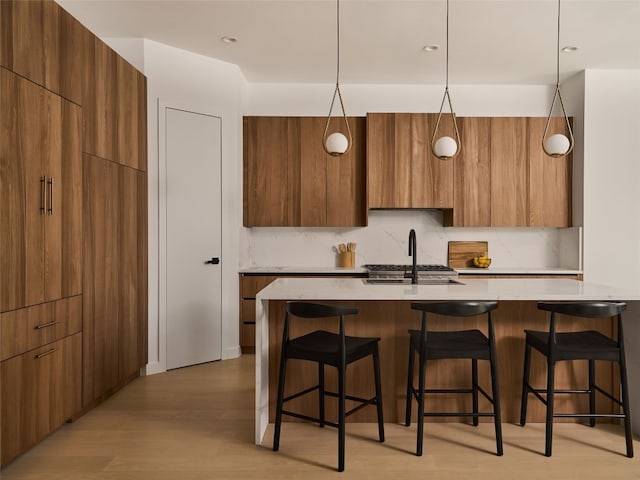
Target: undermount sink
(407, 281)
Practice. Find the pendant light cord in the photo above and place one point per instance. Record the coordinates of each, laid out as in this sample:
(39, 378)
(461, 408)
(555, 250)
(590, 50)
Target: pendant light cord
(447, 52)
(337, 42)
(558, 50)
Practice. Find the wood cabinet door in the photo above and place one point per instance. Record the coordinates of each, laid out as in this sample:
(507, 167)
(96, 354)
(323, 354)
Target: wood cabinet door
(309, 158)
(388, 161)
(131, 276)
(472, 175)
(401, 170)
(101, 326)
(40, 391)
(43, 43)
(99, 90)
(22, 196)
(431, 178)
(509, 187)
(63, 219)
(268, 199)
(62, 50)
(346, 180)
(549, 178)
(22, 45)
(130, 116)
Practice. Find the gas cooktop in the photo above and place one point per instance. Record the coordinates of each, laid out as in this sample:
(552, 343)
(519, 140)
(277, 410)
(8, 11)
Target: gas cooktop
(401, 274)
(425, 272)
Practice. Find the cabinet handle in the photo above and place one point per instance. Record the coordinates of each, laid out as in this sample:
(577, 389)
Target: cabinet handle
(43, 200)
(51, 196)
(45, 325)
(40, 355)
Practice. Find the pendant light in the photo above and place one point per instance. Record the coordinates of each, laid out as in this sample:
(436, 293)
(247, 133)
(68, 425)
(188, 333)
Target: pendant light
(337, 144)
(557, 145)
(446, 148)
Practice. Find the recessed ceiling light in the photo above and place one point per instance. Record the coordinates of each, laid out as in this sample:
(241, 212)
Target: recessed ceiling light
(431, 48)
(569, 49)
(228, 39)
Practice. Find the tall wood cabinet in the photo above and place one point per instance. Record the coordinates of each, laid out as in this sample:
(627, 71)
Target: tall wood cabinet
(289, 180)
(73, 279)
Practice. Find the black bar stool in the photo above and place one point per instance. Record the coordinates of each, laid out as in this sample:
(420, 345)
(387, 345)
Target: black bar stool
(470, 344)
(326, 348)
(586, 345)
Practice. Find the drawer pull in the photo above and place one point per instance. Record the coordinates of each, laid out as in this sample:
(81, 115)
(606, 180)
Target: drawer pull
(40, 355)
(45, 325)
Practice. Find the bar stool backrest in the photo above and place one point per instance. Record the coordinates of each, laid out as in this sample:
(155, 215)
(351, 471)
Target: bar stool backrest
(585, 309)
(456, 309)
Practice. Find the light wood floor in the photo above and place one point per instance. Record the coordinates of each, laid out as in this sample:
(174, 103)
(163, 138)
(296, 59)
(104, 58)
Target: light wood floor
(197, 424)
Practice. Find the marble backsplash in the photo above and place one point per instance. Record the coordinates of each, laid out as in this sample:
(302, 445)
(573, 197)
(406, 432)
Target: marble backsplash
(385, 240)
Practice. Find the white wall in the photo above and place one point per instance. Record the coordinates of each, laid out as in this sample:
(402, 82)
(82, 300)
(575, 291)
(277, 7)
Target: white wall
(612, 197)
(612, 177)
(384, 239)
(184, 80)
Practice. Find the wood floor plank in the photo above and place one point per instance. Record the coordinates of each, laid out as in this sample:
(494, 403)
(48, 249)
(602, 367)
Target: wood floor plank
(197, 424)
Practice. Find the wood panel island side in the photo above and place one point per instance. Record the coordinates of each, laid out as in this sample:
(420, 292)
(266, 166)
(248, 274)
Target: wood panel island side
(385, 311)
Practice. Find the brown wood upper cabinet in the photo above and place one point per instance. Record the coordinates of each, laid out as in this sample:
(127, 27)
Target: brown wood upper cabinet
(289, 180)
(40, 195)
(503, 178)
(401, 170)
(114, 106)
(40, 41)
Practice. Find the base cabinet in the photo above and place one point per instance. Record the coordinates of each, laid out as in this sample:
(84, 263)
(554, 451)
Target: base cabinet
(41, 389)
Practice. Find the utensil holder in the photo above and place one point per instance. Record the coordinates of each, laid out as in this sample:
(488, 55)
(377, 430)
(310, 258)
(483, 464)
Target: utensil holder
(347, 259)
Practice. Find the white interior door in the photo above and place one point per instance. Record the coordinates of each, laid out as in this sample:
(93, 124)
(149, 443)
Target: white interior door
(194, 224)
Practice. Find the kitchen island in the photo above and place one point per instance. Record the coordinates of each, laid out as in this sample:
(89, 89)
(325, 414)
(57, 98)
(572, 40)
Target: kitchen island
(385, 312)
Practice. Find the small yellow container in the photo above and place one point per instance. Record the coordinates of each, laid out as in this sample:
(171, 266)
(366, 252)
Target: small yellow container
(347, 259)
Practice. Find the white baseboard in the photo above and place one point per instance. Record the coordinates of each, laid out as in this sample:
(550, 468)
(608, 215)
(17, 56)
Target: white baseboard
(231, 352)
(153, 368)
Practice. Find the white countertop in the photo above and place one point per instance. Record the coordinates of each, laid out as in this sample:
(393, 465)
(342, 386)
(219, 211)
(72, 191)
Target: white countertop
(473, 289)
(288, 270)
(518, 271)
(303, 270)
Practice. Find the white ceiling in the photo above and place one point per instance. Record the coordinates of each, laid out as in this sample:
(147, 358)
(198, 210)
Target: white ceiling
(491, 42)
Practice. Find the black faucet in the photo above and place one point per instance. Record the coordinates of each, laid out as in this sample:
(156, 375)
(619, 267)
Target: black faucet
(413, 252)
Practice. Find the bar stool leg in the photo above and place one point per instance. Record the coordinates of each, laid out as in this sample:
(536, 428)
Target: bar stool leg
(592, 392)
(474, 388)
(279, 402)
(407, 418)
(525, 384)
(421, 386)
(376, 373)
(551, 366)
(495, 393)
(341, 416)
(625, 405)
(321, 393)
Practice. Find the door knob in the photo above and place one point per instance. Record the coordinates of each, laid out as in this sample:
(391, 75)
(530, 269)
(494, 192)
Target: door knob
(213, 261)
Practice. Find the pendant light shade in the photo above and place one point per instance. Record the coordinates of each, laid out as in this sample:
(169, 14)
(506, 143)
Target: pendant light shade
(557, 145)
(446, 148)
(336, 143)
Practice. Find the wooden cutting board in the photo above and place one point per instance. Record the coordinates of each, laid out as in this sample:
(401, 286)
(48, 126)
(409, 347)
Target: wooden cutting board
(460, 254)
